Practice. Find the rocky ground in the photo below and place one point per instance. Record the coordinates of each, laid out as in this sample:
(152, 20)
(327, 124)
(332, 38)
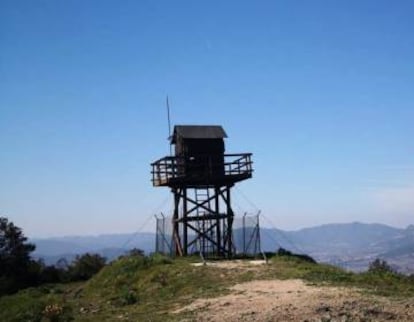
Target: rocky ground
(294, 300)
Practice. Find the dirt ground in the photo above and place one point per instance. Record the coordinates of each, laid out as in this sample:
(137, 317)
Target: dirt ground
(294, 300)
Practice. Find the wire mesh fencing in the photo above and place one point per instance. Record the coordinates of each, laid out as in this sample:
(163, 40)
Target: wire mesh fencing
(245, 237)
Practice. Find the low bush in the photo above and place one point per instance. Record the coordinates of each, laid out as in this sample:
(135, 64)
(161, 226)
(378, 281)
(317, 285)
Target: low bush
(303, 257)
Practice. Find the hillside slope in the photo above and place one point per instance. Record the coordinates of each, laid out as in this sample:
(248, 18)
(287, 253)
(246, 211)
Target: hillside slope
(157, 289)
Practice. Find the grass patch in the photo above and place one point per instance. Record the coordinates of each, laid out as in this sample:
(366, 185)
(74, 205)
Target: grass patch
(147, 288)
(31, 305)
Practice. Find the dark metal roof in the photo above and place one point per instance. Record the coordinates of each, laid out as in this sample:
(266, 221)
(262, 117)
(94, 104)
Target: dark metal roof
(198, 132)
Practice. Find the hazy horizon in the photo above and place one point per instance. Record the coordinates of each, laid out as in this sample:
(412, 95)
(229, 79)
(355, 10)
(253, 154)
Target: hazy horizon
(153, 231)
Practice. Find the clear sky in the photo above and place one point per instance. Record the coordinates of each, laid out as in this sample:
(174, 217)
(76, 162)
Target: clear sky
(322, 92)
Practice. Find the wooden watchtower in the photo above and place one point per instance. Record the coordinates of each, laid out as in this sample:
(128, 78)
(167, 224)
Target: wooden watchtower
(201, 176)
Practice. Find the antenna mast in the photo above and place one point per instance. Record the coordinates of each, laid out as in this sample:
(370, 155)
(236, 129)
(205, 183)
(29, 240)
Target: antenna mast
(169, 125)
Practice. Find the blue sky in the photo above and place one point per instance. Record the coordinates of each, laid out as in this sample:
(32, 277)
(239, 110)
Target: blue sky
(320, 91)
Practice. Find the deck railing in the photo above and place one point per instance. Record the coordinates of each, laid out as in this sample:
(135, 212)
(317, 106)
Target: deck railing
(171, 168)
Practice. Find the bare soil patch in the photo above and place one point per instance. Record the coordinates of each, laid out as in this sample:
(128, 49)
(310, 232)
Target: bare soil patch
(293, 300)
(234, 264)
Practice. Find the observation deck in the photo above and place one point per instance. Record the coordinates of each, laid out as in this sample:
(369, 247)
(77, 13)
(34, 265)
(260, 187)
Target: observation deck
(201, 171)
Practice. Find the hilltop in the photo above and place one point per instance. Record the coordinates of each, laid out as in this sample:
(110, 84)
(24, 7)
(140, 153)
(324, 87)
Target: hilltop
(156, 288)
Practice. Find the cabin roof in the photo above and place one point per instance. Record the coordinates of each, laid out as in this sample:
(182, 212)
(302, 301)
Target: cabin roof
(198, 132)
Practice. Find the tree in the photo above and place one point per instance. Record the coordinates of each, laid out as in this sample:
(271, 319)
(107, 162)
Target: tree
(17, 270)
(85, 266)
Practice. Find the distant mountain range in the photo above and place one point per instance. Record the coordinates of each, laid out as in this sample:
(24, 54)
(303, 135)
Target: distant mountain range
(352, 246)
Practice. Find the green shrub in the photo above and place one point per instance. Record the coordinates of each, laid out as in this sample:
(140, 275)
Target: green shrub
(85, 266)
(159, 259)
(380, 266)
(303, 257)
(128, 297)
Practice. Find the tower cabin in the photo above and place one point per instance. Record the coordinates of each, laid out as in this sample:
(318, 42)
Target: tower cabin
(199, 159)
